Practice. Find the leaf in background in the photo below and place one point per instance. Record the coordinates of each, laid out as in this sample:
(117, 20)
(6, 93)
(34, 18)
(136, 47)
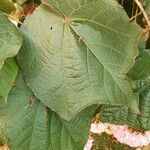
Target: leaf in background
(146, 4)
(124, 115)
(20, 2)
(27, 124)
(36, 2)
(141, 68)
(7, 6)
(8, 75)
(107, 142)
(80, 57)
(10, 39)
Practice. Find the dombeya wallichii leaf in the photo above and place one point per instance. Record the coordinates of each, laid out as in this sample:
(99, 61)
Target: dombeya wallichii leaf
(7, 6)
(124, 115)
(27, 124)
(10, 39)
(77, 53)
(20, 2)
(8, 75)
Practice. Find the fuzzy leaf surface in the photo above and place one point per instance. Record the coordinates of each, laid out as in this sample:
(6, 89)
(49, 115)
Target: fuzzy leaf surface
(124, 115)
(27, 124)
(77, 53)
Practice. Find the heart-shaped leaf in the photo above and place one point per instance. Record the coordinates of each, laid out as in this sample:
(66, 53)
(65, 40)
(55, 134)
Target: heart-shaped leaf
(77, 53)
(27, 124)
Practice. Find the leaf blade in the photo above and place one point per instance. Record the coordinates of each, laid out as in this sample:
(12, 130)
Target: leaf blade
(124, 115)
(8, 75)
(25, 121)
(62, 62)
(10, 39)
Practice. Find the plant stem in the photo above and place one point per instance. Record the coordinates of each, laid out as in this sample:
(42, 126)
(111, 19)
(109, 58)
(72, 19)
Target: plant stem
(135, 16)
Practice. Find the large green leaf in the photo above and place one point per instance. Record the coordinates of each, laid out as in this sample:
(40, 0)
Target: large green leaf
(8, 74)
(27, 124)
(124, 115)
(80, 57)
(10, 39)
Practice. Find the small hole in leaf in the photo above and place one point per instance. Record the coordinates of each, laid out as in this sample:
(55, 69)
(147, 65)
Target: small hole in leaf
(51, 28)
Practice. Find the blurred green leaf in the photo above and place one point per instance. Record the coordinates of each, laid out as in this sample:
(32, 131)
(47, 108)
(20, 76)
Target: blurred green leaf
(10, 39)
(146, 4)
(8, 75)
(20, 2)
(107, 142)
(7, 6)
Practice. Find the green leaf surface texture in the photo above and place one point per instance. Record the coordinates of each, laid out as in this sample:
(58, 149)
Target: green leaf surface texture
(10, 39)
(7, 6)
(8, 75)
(77, 52)
(27, 124)
(124, 115)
